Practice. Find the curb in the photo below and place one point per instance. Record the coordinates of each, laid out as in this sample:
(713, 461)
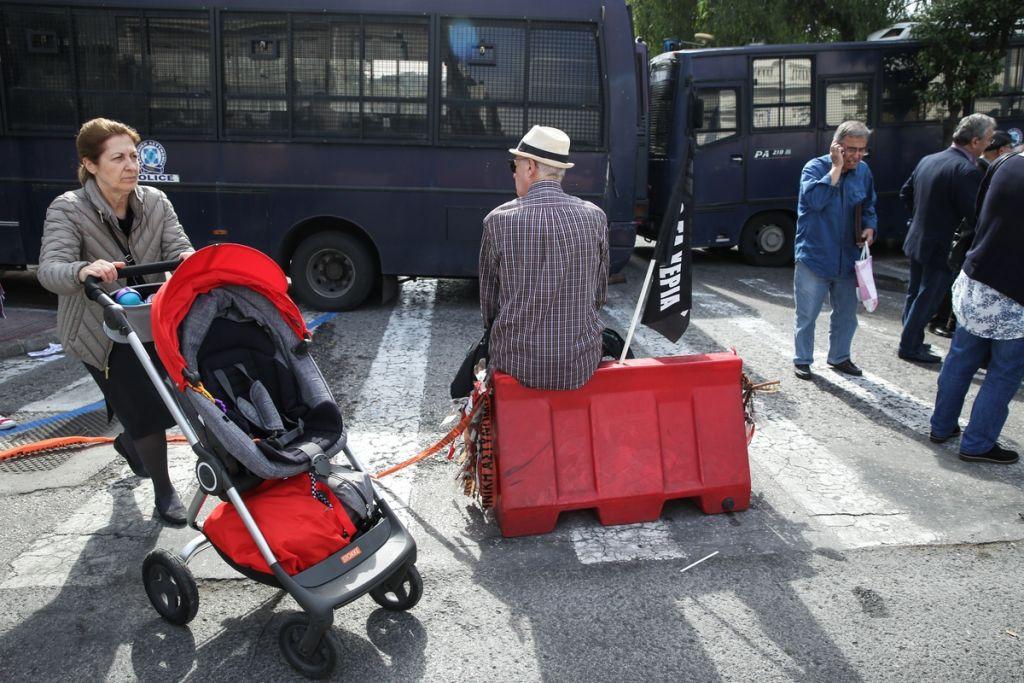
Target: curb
(19, 347)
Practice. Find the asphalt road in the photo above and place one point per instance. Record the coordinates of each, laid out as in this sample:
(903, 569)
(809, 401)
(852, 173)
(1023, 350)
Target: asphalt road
(868, 553)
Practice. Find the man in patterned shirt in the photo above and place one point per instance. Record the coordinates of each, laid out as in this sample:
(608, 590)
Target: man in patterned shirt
(544, 271)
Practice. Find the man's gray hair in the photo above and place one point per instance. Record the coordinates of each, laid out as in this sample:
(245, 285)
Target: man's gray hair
(851, 129)
(545, 172)
(973, 126)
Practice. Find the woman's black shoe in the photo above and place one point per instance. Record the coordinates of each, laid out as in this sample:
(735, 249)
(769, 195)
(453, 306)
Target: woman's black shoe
(171, 510)
(126, 449)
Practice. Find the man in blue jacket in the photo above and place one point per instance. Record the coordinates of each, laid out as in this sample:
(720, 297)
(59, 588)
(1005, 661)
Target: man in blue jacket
(939, 194)
(832, 188)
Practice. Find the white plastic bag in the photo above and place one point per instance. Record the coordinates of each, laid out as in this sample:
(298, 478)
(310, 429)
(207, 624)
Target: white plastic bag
(866, 292)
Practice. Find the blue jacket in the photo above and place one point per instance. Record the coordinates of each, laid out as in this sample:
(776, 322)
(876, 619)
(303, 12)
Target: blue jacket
(825, 215)
(939, 194)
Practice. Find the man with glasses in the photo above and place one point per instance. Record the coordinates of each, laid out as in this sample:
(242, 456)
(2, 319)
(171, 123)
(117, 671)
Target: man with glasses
(544, 271)
(939, 194)
(835, 217)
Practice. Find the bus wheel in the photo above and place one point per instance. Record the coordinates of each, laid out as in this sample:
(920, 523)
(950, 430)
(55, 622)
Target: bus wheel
(333, 271)
(767, 239)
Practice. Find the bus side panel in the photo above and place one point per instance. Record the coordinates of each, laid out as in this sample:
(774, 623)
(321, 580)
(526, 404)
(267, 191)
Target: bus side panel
(895, 151)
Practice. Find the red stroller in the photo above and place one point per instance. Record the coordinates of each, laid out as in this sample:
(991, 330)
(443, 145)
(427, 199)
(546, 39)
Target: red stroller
(254, 406)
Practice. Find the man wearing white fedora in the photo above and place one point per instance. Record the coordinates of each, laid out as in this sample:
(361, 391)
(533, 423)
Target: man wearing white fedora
(544, 271)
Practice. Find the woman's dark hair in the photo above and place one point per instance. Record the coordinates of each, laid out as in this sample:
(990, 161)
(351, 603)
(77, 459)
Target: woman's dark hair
(91, 138)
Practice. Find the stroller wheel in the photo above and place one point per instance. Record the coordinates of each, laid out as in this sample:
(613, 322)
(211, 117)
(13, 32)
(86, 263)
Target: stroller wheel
(170, 587)
(401, 592)
(320, 663)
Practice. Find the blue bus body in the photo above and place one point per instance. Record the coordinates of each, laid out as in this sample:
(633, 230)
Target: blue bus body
(759, 113)
(269, 123)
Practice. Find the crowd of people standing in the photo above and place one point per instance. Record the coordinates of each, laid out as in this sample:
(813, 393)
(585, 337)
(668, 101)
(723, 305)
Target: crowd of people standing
(964, 224)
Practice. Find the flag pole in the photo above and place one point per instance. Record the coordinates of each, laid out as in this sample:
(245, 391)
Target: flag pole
(639, 307)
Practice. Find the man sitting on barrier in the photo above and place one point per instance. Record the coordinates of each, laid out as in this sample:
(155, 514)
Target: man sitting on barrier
(544, 271)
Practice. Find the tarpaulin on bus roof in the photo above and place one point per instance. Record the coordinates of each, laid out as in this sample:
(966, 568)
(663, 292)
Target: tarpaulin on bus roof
(211, 267)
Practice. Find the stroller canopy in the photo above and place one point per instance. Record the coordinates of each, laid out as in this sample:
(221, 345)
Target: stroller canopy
(209, 268)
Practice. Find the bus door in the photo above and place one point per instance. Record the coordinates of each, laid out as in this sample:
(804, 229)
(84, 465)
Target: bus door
(719, 162)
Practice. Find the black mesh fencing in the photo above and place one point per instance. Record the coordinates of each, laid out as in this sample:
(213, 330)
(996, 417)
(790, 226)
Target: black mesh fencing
(299, 75)
(255, 63)
(38, 71)
(565, 83)
(64, 67)
(498, 78)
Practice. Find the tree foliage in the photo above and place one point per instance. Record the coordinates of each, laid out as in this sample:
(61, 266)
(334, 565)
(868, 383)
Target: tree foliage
(965, 44)
(740, 22)
(655, 20)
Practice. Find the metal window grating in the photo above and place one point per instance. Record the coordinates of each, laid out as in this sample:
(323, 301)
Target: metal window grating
(38, 69)
(846, 102)
(112, 63)
(500, 77)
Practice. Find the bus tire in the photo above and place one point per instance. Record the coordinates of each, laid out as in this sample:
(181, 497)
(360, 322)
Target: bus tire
(767, 239)
(333, 271)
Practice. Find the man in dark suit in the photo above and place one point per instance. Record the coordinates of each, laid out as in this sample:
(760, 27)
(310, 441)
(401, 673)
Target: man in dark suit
(939, 194)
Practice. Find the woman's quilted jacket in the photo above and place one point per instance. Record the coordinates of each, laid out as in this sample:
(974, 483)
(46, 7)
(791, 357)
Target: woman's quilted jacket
(80, 228)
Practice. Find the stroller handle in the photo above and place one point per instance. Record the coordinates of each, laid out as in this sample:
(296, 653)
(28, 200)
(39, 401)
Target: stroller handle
(96, 293)
(113, 313)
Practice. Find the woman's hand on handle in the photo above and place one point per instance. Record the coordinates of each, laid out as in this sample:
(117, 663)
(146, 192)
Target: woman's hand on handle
(185, 254)
(104, 270)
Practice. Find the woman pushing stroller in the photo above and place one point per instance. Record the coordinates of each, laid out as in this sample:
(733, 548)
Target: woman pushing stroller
(108, 223)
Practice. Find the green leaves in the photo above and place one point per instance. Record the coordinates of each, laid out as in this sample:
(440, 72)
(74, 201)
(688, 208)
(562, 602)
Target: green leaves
(965, 44)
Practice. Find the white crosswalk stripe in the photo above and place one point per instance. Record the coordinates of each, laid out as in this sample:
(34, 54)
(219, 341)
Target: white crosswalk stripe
(385, 428)
(829, 499)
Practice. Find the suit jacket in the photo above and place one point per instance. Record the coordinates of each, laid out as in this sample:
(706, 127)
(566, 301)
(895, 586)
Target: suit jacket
(939, 194)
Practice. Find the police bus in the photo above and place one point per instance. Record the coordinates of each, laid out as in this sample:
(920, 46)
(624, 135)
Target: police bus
(348, 140)
(753, 116)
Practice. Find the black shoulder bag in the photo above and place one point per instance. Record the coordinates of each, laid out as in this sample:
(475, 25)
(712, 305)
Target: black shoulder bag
(462, 385)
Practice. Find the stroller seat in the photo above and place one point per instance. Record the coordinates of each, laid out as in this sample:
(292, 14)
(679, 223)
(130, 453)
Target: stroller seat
(273, 412)
(237, 365)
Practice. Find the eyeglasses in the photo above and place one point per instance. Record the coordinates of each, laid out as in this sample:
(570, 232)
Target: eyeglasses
(857, 150)
(512, 165)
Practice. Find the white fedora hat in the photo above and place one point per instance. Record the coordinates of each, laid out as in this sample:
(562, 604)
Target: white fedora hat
(544, 144)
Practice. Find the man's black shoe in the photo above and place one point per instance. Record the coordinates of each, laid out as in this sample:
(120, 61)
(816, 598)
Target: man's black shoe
(996, 454)
(848, 367)
(802, 371)
(943, 439)
(940, 331)
(920, 357)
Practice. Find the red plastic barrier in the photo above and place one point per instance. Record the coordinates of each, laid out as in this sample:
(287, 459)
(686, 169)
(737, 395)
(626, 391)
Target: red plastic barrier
(637, 434)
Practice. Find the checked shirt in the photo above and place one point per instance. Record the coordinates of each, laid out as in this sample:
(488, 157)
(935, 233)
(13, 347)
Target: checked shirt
(543, 279)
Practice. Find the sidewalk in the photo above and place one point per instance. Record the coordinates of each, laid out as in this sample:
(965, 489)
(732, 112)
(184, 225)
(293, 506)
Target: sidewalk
(31, 315)
(26, 329)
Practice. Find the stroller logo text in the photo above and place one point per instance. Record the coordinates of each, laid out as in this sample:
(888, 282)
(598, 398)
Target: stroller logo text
(152, 159)
(351, 555)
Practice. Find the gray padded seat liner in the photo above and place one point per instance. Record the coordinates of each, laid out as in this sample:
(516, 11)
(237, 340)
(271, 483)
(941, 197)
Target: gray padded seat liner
(242, 304)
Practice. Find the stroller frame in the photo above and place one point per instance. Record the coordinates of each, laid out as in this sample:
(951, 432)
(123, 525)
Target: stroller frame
(379, 561)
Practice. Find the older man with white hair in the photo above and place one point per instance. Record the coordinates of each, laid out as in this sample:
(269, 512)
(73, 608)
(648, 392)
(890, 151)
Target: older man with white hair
(544, 271)
(940, 193)
(835, 215)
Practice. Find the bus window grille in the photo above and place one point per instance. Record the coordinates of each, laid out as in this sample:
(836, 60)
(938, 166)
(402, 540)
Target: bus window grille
(38, 73)
(662, 91)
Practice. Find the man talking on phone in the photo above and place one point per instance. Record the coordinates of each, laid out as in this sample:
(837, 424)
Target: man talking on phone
(835, 218)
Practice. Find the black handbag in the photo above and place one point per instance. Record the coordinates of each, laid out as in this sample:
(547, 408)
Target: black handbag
(462, 385)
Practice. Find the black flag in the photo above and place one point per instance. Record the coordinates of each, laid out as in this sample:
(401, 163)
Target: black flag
(669, 298)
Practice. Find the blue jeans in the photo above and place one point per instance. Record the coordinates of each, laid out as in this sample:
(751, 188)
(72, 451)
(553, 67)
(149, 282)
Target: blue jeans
(809, 290)
(928, 285)
(992, 405)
